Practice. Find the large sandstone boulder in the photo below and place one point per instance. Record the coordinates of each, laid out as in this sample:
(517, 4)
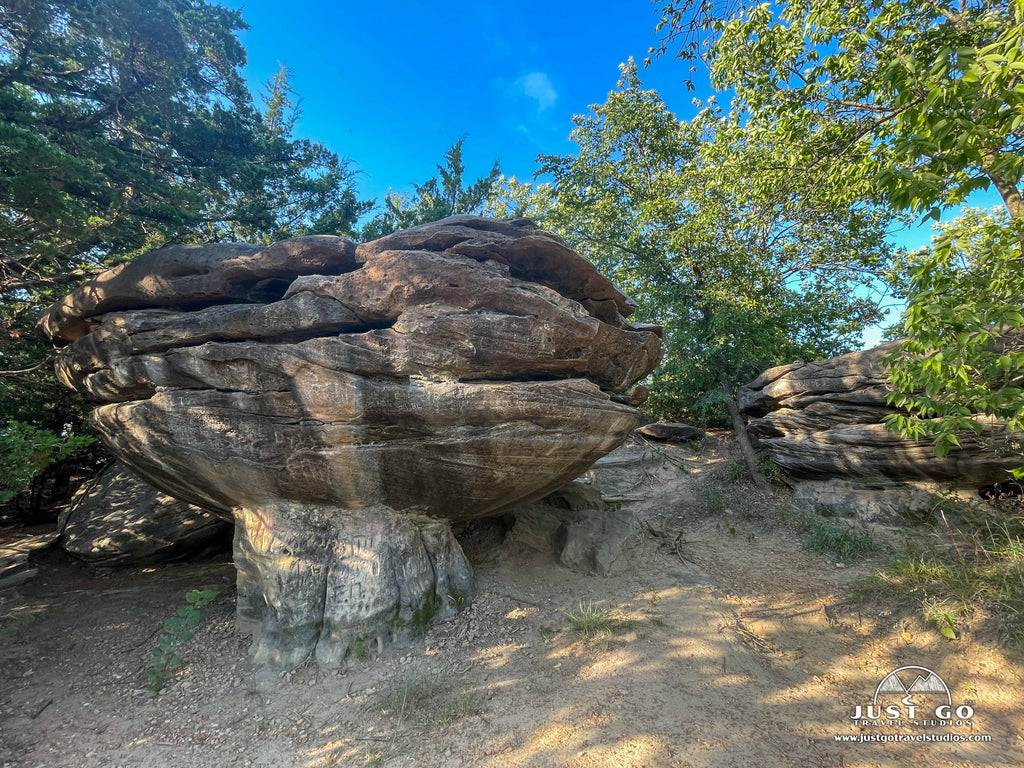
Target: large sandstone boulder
(821, 423)
(117, 519)
(345, 404)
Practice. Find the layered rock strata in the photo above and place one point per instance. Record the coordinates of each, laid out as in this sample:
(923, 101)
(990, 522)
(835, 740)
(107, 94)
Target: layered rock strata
(345, 403)
(822, 423)
(117, 519)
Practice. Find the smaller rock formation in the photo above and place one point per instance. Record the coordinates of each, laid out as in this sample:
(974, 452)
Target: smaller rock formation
(118, 519)
(575, 524)
(16, 566)
(821, 423)
(671, 432)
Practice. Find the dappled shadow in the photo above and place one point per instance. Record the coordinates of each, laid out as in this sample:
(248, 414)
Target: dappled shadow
(763, 669)
(119, 520)
(694, 676)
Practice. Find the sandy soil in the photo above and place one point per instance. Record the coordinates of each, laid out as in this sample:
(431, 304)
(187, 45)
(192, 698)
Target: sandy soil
(732, 647)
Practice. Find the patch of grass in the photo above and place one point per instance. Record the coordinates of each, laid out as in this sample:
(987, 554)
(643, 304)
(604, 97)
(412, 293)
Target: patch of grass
(768, 467)
(967, 569)
(360, 649)
(17, 618)
(590, 621)
(835, 538)
(715, 501)
(429, 700)
(378, 755)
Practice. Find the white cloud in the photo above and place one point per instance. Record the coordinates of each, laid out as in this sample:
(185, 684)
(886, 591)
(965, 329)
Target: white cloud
(538, 87)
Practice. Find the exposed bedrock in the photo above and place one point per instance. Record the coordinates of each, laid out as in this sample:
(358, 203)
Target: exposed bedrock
(117, 519)
(346, 403)
(821, 422)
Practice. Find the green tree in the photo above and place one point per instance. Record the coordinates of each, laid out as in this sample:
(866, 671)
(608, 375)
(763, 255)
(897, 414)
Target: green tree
(288, 187)
(964, 353)
(926, 102)
(745, 267)
(125, 126)
(437, 198)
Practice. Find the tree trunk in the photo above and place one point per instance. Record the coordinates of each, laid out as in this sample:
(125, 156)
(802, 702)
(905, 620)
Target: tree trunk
(740, 427)
(1007, 190)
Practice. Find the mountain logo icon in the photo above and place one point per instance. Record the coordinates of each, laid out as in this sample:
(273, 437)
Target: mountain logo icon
(912, 681)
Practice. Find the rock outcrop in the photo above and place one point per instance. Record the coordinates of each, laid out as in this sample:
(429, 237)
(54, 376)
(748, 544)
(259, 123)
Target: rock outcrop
(821, 423)
(345, 403)
(117, 519)
(671, 432)
(575, 525)
(16, 565)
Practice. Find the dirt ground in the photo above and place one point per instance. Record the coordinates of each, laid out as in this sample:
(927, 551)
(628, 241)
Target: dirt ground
(730, 646)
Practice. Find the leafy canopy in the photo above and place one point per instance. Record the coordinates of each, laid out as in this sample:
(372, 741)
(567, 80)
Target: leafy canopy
(745, 267)
(924, 101)
(921, 98)
(125, 126)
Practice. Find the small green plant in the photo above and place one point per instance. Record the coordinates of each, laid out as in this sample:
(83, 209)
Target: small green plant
(13, 622)
(547, 632)
(836, 538)
(179, 630)
(715, 501)
(590, 621)
(943, 617)
(360, 649)
(768, 467)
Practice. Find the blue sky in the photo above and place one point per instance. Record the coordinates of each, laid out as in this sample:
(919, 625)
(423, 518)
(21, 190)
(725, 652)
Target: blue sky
(393, 86)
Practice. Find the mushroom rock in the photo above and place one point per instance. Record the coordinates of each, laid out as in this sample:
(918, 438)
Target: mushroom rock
(346, 404)
(822, 423)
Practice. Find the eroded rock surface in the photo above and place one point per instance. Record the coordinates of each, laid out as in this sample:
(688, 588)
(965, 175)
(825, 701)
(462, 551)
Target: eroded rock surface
(671, 432)
(821, 422)
(16, 566)
(576, 526)
(329, 395)
(117, 519)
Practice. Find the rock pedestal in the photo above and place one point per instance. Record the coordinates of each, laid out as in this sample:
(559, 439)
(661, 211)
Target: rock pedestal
(336, 581)
(347, 403)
